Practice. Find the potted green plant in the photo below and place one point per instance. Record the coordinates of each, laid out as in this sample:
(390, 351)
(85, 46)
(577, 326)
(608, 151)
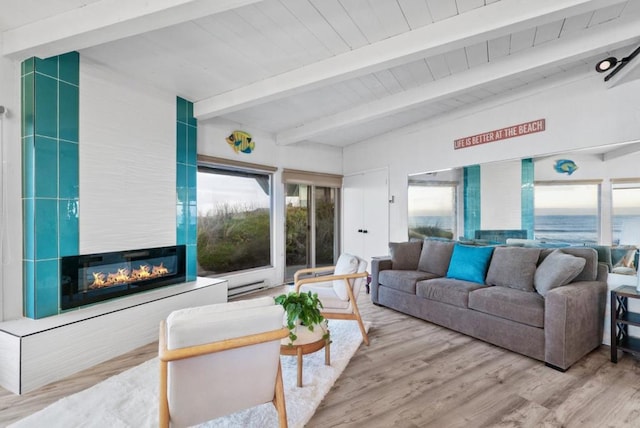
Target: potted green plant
(303, 311)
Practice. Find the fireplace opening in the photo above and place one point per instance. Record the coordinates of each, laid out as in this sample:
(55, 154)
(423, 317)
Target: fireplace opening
(91, 278)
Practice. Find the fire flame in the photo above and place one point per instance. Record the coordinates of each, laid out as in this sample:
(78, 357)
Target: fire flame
(122, 275)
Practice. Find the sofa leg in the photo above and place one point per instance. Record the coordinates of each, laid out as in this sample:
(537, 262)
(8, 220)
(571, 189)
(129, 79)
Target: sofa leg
(556, 367)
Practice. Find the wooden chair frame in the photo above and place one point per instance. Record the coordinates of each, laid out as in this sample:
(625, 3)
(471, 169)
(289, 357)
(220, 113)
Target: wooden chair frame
(167, 355)
(324, 278)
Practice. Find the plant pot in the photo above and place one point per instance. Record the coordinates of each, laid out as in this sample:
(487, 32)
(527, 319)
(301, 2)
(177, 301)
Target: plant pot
(305, 335)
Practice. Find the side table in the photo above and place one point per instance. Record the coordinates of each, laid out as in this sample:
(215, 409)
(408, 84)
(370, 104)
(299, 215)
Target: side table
(308, 348)
(621, 319)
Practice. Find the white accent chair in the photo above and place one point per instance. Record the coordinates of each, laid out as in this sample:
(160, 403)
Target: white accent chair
(219, 359)
(338, 290)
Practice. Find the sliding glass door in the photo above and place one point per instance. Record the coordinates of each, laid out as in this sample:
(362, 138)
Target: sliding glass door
(311, 227)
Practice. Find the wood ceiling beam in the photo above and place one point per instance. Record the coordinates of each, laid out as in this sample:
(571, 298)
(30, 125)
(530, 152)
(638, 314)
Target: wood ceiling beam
(612, 35)
(625, 150)
(481, 24)
(105, 21)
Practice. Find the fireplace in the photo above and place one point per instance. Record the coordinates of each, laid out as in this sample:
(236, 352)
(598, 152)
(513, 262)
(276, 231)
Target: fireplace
(91, 278)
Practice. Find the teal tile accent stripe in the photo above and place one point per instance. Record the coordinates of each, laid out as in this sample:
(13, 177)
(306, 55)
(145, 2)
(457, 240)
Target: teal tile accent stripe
(186, 186)
(471, 195)
(527, 193)
(50, 177)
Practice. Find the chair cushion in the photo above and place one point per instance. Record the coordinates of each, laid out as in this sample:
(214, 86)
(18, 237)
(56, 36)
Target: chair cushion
(520, 306)
(556, 270)
(469, 263)
(513, 267)
(211, 323)
(624, 260)
(435, 256)
(247, 373)
(447, 290)
(326, 294)
(196, 313)
(346, 264)
(405, 255)
(403, 280)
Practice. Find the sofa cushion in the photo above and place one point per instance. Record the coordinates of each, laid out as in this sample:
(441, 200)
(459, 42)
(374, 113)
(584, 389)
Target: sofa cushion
(469, 263)
(403, 280)
(604, 254)
(435, 256)
(346, 264)
(513, 267)
(447, 290)
(556, 270)
(590, 271)
(405, 255)
(516, 305)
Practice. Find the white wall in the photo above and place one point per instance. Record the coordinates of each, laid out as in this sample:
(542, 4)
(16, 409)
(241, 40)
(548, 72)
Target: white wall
(580, 113)
(10, 193)
(500, 200)
(315, 158)
(127, 163)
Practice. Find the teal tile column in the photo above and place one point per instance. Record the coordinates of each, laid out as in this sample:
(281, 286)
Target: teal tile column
(186, 189)
(471, 196)
(50, 182)
(526, 193)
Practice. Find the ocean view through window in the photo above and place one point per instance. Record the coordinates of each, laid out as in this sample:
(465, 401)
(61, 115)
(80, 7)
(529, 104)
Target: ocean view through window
(625, 213)
(568, 213)
(432, 209)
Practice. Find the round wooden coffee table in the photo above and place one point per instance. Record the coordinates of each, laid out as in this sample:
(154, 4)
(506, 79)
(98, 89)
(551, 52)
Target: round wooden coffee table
(308, 348)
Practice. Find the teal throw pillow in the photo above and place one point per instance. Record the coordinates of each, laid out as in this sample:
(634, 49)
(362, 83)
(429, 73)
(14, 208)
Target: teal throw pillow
(469, 263)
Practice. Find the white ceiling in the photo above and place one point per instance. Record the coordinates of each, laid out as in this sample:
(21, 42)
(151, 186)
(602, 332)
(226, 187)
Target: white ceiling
(331, 71)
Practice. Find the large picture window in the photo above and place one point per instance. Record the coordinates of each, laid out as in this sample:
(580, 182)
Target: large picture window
(567, 212)
(432, 209)
(234, 220)
(625, 210)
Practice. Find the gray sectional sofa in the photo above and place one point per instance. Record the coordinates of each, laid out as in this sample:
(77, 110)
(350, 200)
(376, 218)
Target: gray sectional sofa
(548, 304)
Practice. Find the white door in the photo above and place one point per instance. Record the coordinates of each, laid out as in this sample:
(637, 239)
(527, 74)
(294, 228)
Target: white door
(365, 230)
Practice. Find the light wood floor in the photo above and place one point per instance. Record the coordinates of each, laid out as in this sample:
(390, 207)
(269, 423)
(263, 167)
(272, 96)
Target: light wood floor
(416, 374)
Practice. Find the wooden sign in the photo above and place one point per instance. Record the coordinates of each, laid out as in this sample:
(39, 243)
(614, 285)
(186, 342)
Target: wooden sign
(500, 134)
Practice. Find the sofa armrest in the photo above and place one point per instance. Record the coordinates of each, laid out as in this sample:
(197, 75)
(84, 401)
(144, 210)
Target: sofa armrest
(573, 321)
(378, 264)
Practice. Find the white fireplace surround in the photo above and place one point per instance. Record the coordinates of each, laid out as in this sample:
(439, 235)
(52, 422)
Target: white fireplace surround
(127, 163)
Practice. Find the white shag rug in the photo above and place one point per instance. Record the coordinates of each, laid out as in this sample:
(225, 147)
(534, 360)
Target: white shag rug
(130, 399)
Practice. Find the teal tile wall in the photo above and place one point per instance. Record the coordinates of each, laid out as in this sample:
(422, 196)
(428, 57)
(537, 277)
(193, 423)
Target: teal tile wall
(527, 197)
(50, 181)
(186, 186)
(471, 196)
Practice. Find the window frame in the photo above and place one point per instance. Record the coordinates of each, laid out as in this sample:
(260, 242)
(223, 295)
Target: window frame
(235, 168)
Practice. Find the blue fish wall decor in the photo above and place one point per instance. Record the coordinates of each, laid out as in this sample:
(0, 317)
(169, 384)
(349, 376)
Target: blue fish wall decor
(565, 166)
(241, 141)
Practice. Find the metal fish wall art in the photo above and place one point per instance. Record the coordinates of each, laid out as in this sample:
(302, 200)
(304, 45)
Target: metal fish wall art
(241, 141)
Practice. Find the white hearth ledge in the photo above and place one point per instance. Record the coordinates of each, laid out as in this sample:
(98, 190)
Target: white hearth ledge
(34, 353)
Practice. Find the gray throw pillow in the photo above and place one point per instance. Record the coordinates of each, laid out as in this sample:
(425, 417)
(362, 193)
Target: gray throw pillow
(513, 267)
(405, 255)
(556, 270)
(435, 256)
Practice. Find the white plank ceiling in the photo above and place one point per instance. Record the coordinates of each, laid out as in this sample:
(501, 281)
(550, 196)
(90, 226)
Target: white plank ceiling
(330, 71)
